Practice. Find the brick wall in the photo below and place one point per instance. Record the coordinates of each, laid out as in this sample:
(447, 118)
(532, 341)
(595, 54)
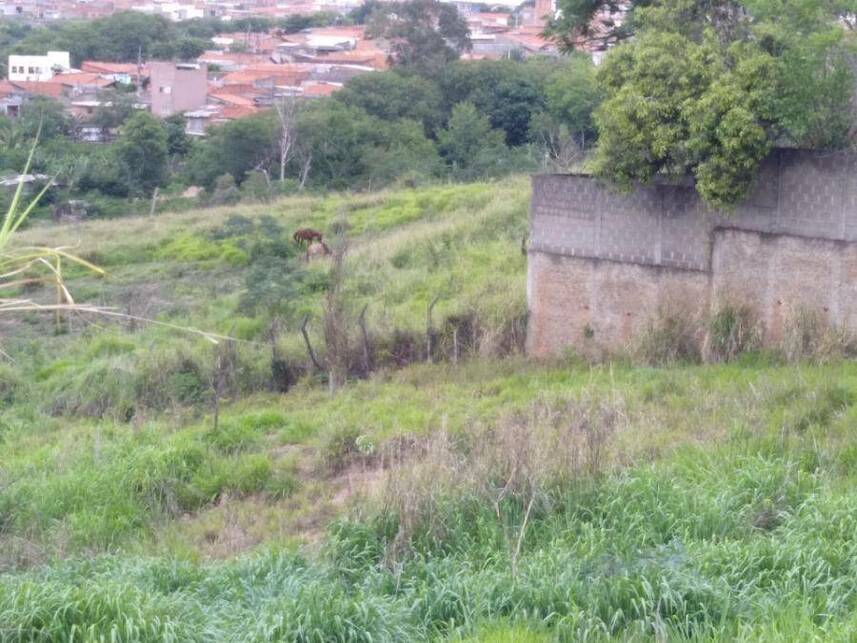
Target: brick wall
(602, 263)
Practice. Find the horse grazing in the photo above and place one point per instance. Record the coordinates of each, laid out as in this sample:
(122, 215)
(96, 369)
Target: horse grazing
(308, 236)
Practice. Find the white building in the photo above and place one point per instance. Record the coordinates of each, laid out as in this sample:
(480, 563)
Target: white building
(174, 11)
(38, 68)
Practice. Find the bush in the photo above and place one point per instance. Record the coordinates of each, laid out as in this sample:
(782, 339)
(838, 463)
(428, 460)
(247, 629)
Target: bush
(12, 386)
(808, 335)
(669, 338)
(225, 191)
(249, 474)
(731, 331)
(256, 187)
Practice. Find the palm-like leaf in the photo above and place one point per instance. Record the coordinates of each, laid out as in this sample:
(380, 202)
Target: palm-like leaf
(27, 265)
(41, 265)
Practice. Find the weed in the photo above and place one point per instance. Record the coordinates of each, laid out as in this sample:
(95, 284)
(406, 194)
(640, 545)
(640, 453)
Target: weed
(670, 337)
(731, 331)
(808, 335)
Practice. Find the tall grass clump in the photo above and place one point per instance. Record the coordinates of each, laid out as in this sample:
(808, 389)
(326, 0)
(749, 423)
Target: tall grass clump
(732, 329)
(536, 524)
(808, 335)
(671, 336)
(492, 484)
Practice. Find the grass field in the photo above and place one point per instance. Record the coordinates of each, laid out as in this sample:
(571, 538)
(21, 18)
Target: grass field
(490, 500)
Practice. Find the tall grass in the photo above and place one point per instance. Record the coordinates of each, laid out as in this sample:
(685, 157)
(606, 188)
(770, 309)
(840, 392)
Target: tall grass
(669, 551)
(492, 500)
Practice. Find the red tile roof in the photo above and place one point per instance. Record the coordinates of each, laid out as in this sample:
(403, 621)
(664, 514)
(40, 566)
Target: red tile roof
(233, 112)
(82, 78)
(233, 99)
(46, 88)
(278, 74)
(100, 67)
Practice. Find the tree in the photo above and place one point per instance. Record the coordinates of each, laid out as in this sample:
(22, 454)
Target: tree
(299, 22)
(142, 153)
(115, 108)
(178, 142)
(45, 117)
(235, 148)
(469, 144)
(360, 15)
(393, 95)
(707, 89)
(593, 23)
(508, 92)
(287, 115)
(425, 34)
(189, 48)
(401, 151)
(347, 147)
(572, 94)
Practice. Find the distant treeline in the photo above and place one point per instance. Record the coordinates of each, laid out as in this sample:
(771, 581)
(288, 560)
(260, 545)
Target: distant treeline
(127, 36)
(467, 121)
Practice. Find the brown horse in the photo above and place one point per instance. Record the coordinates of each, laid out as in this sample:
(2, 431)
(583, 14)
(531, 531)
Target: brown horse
(307, 235)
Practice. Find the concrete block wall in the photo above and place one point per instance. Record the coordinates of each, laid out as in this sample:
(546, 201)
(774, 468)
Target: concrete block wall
(602, 264)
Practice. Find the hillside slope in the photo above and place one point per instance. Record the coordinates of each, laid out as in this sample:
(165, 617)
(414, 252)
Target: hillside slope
(492, 499)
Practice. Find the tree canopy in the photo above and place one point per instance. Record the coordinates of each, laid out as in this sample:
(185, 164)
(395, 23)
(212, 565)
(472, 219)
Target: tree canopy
(708, 88)
(424, 34)
(142, 152)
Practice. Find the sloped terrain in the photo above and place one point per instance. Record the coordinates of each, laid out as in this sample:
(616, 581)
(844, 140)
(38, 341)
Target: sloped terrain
(148, 492)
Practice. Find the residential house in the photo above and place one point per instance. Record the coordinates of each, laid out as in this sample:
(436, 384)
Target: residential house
(177, 87)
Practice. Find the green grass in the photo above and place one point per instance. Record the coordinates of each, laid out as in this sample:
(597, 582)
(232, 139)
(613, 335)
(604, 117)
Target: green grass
(673, 549)
(494, 500)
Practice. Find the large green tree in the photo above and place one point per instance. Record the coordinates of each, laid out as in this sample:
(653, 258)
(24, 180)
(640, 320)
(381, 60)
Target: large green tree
(234, 148)
(507, 92)
(141, 151)
(708, 88)
(470, 146)
(393, 95)
(424, 34)
(343, 147)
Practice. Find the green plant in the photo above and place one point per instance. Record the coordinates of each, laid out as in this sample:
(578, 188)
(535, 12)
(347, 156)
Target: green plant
(670, 337)
(27, 266)
(731, 330)
(807, 335)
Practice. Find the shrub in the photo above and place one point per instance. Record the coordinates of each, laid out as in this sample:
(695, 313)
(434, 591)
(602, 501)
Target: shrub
(256, 187)
(225, 191)
(11, 384)
(808, 335)
(249, 474)
(669, 338)
(340, 447)
(731, 331)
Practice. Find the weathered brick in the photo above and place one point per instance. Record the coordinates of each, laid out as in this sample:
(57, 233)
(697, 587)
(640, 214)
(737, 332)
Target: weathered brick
(616, 258)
